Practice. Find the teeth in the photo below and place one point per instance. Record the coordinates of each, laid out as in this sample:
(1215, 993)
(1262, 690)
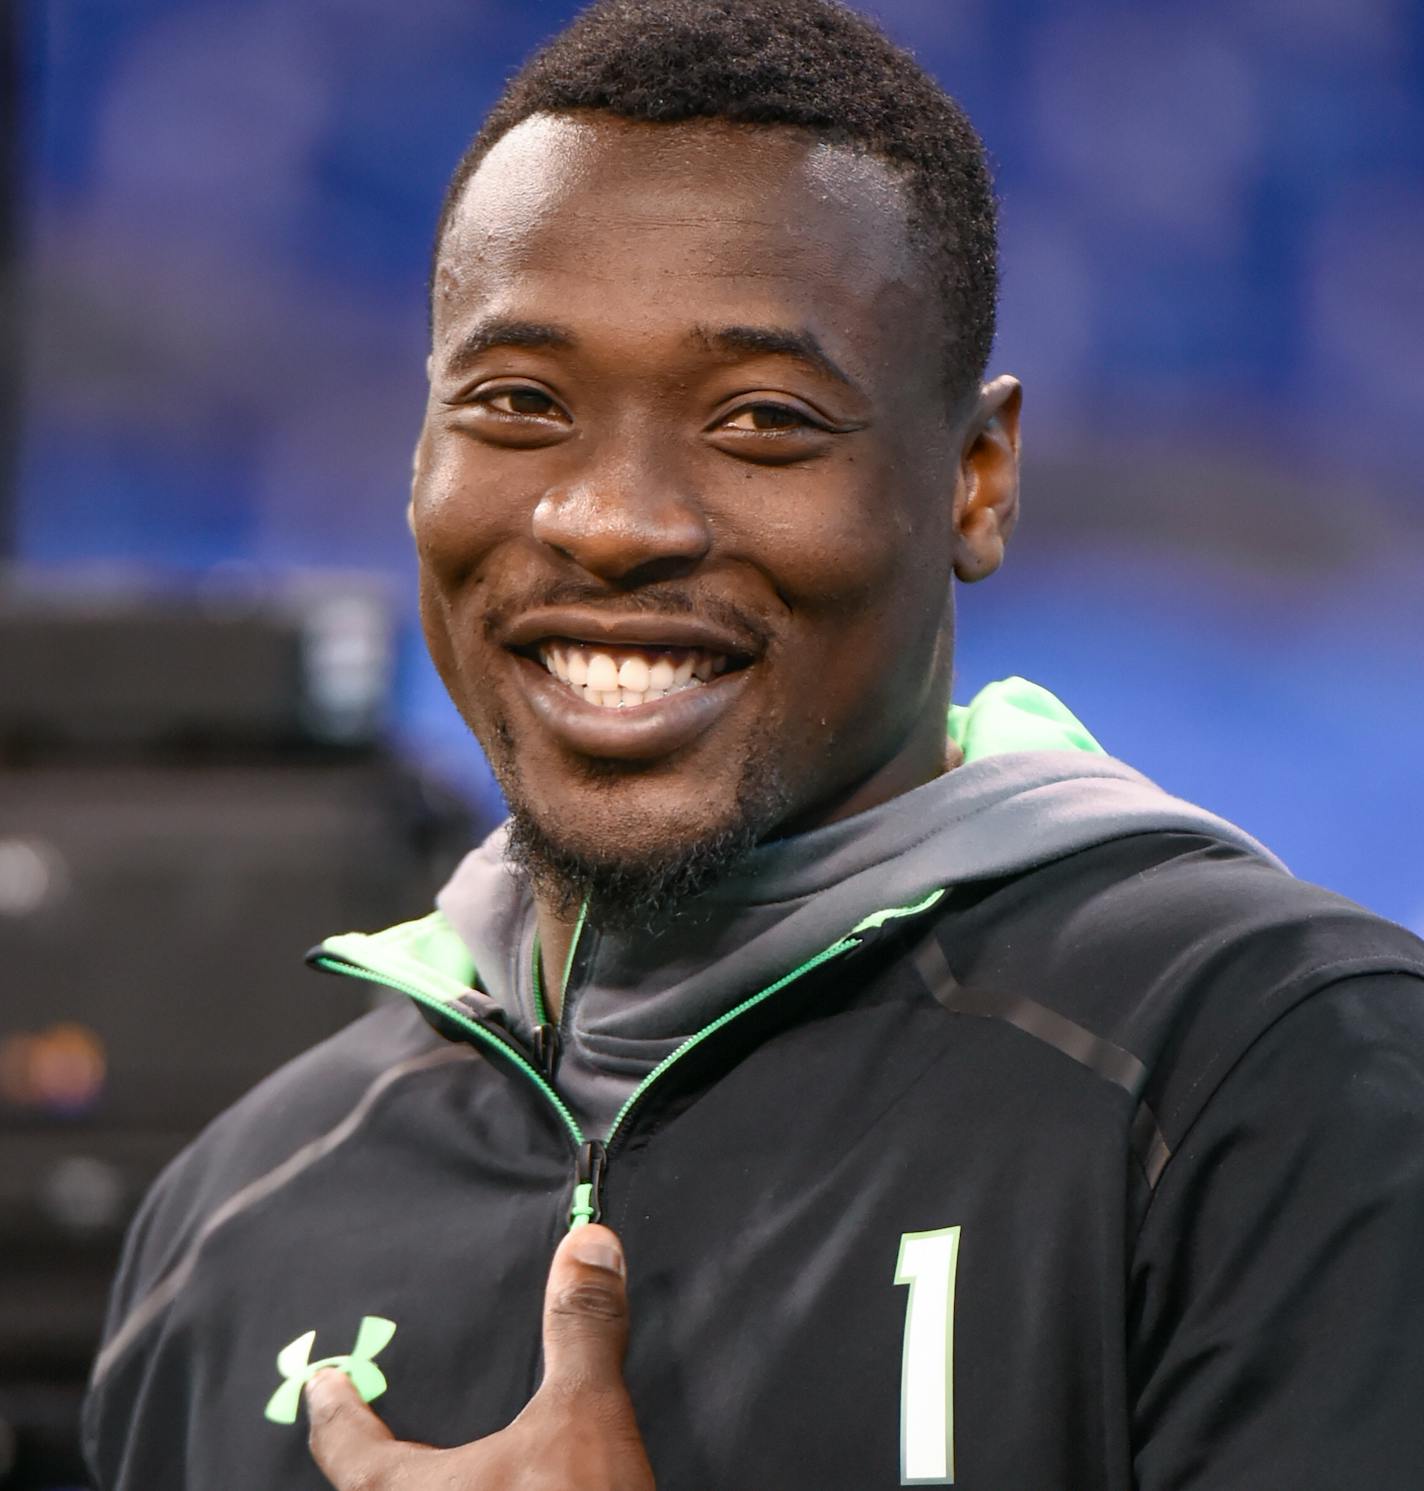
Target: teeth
(633, 676)
(600, 679)
(602, 672)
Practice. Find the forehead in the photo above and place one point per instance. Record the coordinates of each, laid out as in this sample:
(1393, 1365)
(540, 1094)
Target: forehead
(652, 222)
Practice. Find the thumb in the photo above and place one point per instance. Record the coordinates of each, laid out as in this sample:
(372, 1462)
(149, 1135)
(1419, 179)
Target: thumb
(345, 1436)
(586, 1311)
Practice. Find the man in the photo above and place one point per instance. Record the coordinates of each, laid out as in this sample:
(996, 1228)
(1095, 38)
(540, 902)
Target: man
(960, 1108)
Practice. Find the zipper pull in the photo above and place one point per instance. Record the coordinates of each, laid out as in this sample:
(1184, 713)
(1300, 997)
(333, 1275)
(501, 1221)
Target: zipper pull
(546, 1049)
(588, 1185)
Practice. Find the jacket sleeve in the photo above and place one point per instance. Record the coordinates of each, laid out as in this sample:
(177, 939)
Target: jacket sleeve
(1278, 1279)
(108, 1402)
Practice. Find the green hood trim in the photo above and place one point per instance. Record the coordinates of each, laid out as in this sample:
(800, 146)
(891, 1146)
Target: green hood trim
(1012, 715)
(427, 954)
(878, 919)
(1016, 715)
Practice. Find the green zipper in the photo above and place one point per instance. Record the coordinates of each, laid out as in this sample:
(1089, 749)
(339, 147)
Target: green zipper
(591, 1154)
(584, 1207)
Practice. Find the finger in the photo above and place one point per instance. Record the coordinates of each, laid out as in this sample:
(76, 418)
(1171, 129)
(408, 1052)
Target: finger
(586, 1311)
(345, 1436)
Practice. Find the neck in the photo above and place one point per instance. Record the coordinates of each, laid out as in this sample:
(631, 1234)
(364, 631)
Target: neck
(556, 937)
(557, 926)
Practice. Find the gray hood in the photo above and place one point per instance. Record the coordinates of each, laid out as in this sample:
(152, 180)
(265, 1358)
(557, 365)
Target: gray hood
(1033, 788)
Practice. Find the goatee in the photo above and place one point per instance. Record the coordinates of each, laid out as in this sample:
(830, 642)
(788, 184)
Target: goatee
(635, 892)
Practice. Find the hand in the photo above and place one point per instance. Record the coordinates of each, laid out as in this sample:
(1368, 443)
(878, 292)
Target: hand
(577, 1433)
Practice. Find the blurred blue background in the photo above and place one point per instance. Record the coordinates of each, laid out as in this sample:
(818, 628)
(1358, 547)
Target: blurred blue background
(1213, 227)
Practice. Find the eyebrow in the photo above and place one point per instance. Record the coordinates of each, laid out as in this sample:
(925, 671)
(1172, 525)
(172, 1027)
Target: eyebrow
(799, 344)
(772, 341)
(502, 331)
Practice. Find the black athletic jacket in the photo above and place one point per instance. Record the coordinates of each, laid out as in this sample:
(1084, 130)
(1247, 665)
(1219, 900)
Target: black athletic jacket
(1106, 1174)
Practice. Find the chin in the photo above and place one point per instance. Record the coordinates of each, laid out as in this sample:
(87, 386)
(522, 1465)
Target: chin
(636, 852)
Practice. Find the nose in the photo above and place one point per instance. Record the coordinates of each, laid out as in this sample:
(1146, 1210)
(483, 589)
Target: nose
(627, 522)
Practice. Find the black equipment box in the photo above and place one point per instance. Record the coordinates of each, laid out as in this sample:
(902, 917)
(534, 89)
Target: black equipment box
(227, 666)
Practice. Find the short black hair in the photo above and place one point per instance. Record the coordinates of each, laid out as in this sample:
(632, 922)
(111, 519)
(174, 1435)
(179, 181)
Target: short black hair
(811, 64)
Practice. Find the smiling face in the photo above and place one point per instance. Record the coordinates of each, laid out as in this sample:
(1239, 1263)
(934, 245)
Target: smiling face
(688, 494)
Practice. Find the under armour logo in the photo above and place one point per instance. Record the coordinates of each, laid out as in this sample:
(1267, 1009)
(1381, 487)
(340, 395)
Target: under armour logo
(297, 1368)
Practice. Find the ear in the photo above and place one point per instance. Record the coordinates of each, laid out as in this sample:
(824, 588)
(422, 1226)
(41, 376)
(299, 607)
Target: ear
(986, 497)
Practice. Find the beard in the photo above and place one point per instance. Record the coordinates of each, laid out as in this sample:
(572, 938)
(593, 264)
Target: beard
(626, 889)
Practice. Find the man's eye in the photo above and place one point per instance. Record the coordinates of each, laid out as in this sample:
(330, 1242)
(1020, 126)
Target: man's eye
(764, 418)
(526, 401)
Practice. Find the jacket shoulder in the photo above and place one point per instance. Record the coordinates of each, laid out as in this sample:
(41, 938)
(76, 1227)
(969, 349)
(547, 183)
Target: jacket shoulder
(1176, 950)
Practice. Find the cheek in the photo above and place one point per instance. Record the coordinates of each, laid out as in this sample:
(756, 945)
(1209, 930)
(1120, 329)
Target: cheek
(457, 525)
(435, 623)
(863, 565)
(462, 507)
(853, 547)
(452, 631)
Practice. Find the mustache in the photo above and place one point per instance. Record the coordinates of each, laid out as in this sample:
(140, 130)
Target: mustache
(659, 598)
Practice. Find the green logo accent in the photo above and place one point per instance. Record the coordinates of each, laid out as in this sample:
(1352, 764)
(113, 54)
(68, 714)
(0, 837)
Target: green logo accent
(297, 1368)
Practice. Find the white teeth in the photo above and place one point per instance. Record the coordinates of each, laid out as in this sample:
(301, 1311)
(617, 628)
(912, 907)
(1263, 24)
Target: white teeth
(598, 679)
(602, 673)
(633, 676)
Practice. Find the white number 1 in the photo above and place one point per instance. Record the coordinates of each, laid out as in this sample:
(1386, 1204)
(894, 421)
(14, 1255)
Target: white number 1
(927, 1264)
